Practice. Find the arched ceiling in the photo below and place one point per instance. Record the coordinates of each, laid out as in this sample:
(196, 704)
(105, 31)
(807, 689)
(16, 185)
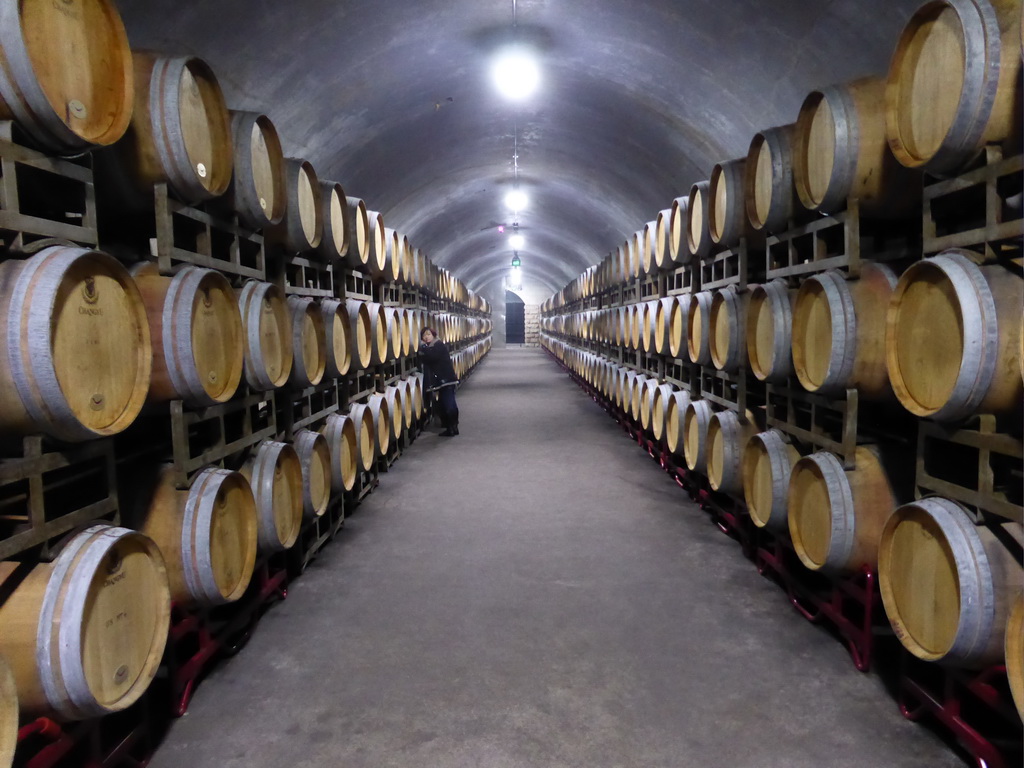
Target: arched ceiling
(639, 99)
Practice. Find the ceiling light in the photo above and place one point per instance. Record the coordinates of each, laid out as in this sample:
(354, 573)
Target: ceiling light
(516, 262)
(516, 200)
(515, 73)
(516, 242)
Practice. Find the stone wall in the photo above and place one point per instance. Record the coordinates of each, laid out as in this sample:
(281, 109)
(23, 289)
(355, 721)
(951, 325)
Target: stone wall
(533, 325)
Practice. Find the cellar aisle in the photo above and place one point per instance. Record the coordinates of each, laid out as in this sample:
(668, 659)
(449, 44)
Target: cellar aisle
(536, 592)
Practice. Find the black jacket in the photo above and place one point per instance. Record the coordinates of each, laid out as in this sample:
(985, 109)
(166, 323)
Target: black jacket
(437, 366)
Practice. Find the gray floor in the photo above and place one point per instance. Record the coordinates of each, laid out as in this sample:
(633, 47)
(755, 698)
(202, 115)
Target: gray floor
(536, 592)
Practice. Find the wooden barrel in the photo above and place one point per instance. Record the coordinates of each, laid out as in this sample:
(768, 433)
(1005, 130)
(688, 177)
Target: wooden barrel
(696, 421)
(362, 417)
(769, 330)
(207, 534)
(380, 335)
(315, 458)
(274, 473)
(378, 405)
(659, 410)
(334, 240)
(727, 334)
(180, 131)
(645, 241)
(679, 326)
(359, 245)
(678, 221)
(726, 212)
(8, 714)
(302, 228)
(84, 634)
(65, 73)
(626, 391)
(636, 326)
(396, 409)
(768, 463)
(393, 328)
(258, 193)
(75, 348)
(196, 328)
(309, 342)
(636, 396)
(647, 395)
(342, 435)
(417, 402)
(675, 422)
(839, 331)
(267, 340)
(661, 340)
(835, 515)
(636, 258)
(649, 325)
(728, 434)
(408, 390)
(947, 583)
(768, 185)
(662, 234)
(698, 221)
(698, 324)
(378, 260)
(363, 334)
(954, 83)
(1014, 652)
(840, 152)
(954, 336)
(394, 250)
(336, 337)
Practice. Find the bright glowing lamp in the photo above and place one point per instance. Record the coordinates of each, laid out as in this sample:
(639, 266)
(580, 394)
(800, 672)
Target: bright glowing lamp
(516, 200)
(515, 73)
(516, 242)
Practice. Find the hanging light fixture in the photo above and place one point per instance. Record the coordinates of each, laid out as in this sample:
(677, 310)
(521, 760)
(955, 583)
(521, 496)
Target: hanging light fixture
(516, 261)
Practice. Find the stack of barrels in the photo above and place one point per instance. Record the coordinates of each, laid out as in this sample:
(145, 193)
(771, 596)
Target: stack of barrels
(89, 342)
(935, 337)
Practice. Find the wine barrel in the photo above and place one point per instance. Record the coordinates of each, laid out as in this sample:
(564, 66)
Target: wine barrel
(767, 465)
(769, 330)
(636, 326)
(647, 395)
(342, 436)
(334, 214)
(698, 324)
(679, 326)
(954, 336)
(8, 714)
(302, 228)
(696, 421)
(840, 152)
(417, 402)
(768, 185)
(75, 348)
(675, 422)
(394, 248)
(663, 328)
(207, 534)
(408, 387)
(336, 337)
(379, 333)
(662, 234)
(636, 396)
(698, 222)
(315, 458)
(636, 257)
(196, 328)
(839, 331)
(835, 515)
(728, 434)
(679, 220)
(358, 255)
(65, 73)
(396, 409)
(257, 189)
(309, 342)
(954, 83)
(393, 328)
(727, 334)
(726, 211)
(84, 634)
(626, 391)
(363, 334)
(180, 131)
(646, 243)
(659, 410)
(362, 417)
(649, 323)
(378, 261)
(267, 340)
(378, 405)
(947, 583)
(275, 476)
(1014, 652)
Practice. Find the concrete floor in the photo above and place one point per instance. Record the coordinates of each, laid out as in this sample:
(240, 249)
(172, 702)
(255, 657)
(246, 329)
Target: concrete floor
(536, 592)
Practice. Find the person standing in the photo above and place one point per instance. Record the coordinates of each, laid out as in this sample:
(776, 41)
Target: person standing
(439, 377)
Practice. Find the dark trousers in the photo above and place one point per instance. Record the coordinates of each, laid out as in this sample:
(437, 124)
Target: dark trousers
(447, 407)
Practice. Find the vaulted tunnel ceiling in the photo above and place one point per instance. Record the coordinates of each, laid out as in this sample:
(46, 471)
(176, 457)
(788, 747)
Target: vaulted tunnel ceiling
(639, 99)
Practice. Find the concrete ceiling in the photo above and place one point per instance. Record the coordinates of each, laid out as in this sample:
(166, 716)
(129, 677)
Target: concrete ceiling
(639, 99)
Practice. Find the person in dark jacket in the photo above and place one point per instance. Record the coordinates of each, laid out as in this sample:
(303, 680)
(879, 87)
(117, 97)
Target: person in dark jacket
(439, 377)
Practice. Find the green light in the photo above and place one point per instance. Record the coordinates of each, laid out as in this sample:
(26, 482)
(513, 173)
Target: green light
(516, 262)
